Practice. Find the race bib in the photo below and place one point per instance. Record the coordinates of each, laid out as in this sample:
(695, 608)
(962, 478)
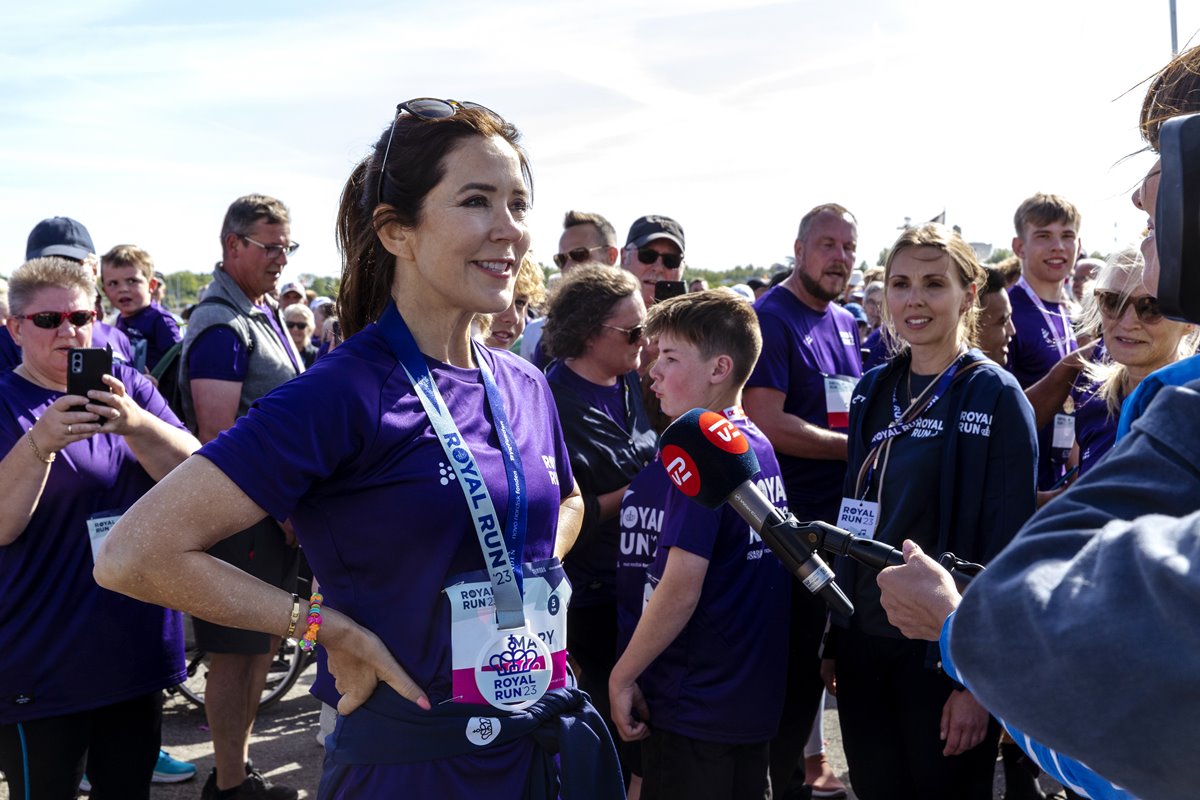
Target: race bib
(510, 670)
(860, 517)
(1064, 432)
(838, 391)
(99, 524)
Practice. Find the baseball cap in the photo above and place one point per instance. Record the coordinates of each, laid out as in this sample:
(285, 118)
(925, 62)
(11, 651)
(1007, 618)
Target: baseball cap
(318, 302)
(646, 229)
(860, 314)
(294, 286)
(59, 236)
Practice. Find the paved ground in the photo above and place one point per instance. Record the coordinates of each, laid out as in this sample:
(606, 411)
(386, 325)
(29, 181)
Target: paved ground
(285, 748)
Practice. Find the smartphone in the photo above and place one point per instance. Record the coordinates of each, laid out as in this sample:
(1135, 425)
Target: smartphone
(665, 290)
(1058, 484)
(85, 368)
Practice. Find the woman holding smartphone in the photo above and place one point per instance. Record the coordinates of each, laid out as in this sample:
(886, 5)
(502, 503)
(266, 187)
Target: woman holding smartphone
(68, 703)
(942, 451)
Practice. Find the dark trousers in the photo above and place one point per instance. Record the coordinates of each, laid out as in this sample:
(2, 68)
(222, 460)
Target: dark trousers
(116, 745)
(676, 766)
(890, 708)
(592, 642)
(802, 699)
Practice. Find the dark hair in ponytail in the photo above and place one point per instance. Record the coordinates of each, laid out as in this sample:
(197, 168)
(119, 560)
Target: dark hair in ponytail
(415, 164)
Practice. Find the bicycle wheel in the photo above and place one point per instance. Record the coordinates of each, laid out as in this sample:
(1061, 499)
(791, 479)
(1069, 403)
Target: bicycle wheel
(290, 660)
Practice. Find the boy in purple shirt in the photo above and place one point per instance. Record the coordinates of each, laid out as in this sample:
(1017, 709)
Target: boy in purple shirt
(127, 278)
(705, 668)
(1047, 242)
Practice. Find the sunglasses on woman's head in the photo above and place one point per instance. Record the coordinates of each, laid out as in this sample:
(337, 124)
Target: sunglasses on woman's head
(576, 254)
(648, 255)
(54, 319)
(634, 334)
(1113, 305)
(424, 108)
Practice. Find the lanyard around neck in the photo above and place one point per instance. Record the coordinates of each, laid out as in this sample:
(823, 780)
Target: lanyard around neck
(906, 421)
(1064, 343)
(501, 548)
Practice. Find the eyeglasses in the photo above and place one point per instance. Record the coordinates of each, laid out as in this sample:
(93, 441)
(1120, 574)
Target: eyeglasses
(576, 254)
(296, 326)
(54, 319)
(1113, 306)
(648, 255)
(634, 334)
(273, 250)
(423, 108)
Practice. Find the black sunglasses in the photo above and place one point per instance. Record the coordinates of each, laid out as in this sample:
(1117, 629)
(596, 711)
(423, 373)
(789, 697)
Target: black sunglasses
(1113, 306)
(54, 319)
(296, 326)
(634, 334)
(423, 108)
(648, 255)
(576, 254)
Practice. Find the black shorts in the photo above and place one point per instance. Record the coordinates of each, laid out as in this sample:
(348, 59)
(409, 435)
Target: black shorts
(262, 551)
(677, 767)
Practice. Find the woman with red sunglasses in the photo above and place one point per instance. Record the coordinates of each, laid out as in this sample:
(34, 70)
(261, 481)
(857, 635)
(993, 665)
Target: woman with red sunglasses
(72, 465)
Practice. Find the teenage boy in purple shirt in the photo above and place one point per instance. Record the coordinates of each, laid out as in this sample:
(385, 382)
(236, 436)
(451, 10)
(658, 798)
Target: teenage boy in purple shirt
(799, 396)
(705, 667)
(1047, 242)
(127, 278)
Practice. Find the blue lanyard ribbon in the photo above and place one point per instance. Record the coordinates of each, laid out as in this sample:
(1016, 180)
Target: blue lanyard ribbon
(1063, 343)
(502, 550)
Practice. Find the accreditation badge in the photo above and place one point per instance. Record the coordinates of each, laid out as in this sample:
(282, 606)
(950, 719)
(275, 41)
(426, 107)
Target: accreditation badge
(98, 525)
(839, 389)
(474, 639)
(860, 517)
(1064, 432)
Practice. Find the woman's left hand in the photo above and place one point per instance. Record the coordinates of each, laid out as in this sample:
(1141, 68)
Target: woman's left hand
(964, 722)
(118, 412)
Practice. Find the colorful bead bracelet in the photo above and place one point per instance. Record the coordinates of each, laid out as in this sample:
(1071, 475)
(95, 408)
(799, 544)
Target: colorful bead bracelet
(314, 622)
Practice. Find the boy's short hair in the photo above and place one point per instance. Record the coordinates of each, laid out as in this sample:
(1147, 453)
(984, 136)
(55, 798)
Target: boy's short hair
(128, 255)
(1044, 209)
(716, 322)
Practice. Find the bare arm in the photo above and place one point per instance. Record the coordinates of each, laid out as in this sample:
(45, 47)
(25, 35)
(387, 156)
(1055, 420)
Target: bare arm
(788, 433)
(216, 405)
(1048, 395)
(156, 553)
(23, 475)
(666, 615)
(158, 446)
(610, 502)
(570, 518)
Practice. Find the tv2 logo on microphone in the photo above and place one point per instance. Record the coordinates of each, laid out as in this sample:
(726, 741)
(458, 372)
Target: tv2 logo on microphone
(681, 469)
(722, 433)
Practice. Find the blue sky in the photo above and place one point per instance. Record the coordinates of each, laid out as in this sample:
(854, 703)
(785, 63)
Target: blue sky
(144, 120)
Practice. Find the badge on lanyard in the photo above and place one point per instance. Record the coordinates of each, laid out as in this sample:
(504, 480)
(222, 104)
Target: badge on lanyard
(98, 525)
(860, 517)
(513, 670)
(1064, 432)
(839, 389)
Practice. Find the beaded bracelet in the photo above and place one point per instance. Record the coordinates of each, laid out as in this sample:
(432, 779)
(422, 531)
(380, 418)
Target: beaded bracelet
(291, 631)
(314, 622)
(44, 459)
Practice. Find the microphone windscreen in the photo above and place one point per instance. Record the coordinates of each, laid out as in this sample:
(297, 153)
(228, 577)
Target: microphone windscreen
(706, 456)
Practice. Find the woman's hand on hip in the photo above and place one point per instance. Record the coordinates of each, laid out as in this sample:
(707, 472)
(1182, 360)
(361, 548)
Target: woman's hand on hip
(359, 661)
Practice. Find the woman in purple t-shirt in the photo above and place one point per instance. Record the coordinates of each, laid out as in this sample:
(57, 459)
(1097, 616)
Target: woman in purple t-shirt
(396, 494)
(83, 669)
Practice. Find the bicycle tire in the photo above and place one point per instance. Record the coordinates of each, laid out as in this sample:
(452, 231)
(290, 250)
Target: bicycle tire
(290, 661)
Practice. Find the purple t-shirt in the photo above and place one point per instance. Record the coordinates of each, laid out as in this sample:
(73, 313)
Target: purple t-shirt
(642, 510)
(609, 399)
(154, 326)
(801, 348)
(218, 354)
(723, 678)
(105, 335)
(1095, 427)
(1032, 352)
(347, 453)
(70, 645)
(10, 354)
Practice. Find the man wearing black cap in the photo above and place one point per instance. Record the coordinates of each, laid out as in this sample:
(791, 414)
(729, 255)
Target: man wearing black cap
(65, 237)
(654, 252)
